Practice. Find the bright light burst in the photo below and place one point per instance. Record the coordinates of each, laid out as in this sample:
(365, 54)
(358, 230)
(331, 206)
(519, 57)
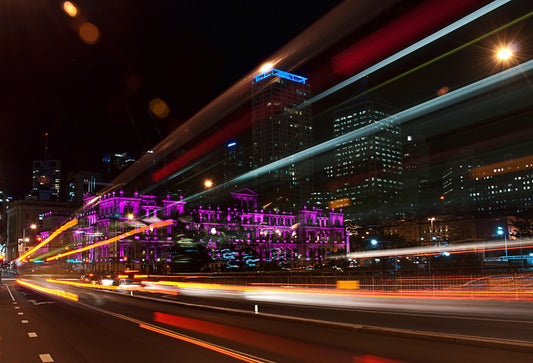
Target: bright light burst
(266, 67)
(505, 53)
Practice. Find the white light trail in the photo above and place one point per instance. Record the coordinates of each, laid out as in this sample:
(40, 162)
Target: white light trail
(438, 103)
(451, 248)
(429, 39)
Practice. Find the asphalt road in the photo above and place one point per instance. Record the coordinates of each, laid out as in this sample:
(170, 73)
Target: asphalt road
(118, 327)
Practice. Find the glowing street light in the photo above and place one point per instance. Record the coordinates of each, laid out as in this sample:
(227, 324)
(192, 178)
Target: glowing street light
(208, 183)
(504, 53)
(500, 231)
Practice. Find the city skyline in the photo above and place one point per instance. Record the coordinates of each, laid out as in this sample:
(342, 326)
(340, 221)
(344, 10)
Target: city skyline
(102, 93)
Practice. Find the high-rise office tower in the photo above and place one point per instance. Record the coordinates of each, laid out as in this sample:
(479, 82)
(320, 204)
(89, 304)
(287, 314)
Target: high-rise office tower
(46, 184)
(46, 178)
(366, 169)
(279, 129)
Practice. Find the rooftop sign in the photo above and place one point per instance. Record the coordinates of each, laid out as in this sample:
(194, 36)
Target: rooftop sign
(281, 74)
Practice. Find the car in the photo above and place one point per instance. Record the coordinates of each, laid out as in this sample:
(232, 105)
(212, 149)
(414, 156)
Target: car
(90, 278)
(128, 278)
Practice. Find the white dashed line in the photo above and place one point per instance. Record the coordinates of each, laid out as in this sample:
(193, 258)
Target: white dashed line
(15, 303)
(24, 321)
(17, 307)
(32, 334)
(9, 290)
(21, 313)
(46, 358)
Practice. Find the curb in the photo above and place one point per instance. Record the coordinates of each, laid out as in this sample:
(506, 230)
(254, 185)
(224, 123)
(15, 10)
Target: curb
(485, 342)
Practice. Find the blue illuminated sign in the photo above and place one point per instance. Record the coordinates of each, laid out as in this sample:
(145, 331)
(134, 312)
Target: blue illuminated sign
(232, 144)
(281, 74)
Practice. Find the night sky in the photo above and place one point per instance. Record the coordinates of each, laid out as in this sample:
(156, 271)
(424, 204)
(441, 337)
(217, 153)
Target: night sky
(93, 99)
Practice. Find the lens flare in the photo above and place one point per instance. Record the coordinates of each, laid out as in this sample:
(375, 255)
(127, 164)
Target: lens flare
(70, 9)
(89, 33)
(159, 108)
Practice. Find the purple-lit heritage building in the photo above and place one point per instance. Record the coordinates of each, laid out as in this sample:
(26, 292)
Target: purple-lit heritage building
(228, 234)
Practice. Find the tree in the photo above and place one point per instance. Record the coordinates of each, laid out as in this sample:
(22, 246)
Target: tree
(524, 224)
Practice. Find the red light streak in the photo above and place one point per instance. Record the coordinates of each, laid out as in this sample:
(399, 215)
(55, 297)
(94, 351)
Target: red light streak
(292, 348)
(208, 144)
(400, 33)
(66, 295)
(201, 343)
(111, 240)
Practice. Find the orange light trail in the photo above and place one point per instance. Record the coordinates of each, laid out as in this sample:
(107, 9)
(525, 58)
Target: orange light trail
(428, 291)
(66, 295)
(111, 240)
(56, 233)
(82, 284)
(202, 344)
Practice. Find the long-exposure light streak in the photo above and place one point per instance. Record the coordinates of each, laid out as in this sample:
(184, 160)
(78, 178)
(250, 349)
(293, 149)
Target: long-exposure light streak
(451, 248)
(204, 344)
(434, 60)
(50, 238)
(111, 240)
(447, 100)
(66, 295)
(418, 45)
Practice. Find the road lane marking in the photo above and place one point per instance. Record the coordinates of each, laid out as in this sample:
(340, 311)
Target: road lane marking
(21, 313)
(24, 321)
(142, 324)
(9, 290)
(46, 358)
(17, 307)
(32, 334)
(214, 347)
(36, 303)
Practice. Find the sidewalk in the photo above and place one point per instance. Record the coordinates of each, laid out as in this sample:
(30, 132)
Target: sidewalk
(10, 326)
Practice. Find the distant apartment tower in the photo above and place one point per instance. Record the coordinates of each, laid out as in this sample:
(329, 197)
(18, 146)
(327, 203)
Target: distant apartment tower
(280, 129)
(502, 187)
(46, 180)
(366, 169)
(457, 182)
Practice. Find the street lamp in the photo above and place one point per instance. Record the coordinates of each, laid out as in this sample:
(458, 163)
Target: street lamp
(504, 53)
(500, 231)
(25, 238)
(208, 183)
(432, 219)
